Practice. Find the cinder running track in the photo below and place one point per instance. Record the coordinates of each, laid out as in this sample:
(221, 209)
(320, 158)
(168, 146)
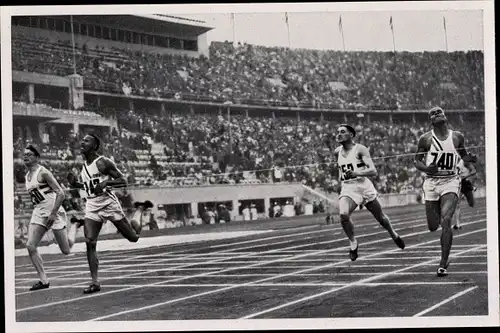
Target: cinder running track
(299, 269)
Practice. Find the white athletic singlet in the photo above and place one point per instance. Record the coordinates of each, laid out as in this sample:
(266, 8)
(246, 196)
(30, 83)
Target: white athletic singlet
(91, 176)
(105, 206)
(350, 162)
(444, 155)
(42, 196)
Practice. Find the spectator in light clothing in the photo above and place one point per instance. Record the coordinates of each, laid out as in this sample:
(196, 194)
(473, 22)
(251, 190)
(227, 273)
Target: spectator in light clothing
(277, 175)
(212, 216)
(277, 209)
(253, 212)
(288, 210)
(246, 213)
(161, 219)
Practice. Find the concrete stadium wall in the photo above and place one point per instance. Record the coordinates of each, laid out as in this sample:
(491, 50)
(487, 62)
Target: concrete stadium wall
(38, 78)
(179, 195)
(216, 193)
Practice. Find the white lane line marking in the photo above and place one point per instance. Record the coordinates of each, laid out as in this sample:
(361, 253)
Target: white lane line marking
(367, 219)
(210, 269)
(221, 271)
(244, 254)
(272, 278)
(237, 276)
(445, 301)
(225, 251)
(369, 279)
(324, 251)
(312, 252)
(230, 257)
(298, 284)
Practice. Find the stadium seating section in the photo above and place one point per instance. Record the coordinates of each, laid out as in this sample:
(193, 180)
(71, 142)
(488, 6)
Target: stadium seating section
(192, 150)
(251, 74)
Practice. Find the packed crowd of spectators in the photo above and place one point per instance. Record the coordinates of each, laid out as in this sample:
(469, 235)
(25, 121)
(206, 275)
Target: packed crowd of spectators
(251, 74)
(202, 149)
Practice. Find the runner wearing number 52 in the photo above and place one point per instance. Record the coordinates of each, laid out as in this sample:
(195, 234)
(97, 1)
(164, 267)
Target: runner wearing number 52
(47, 196)
(438, 154)
(98, 175)
(355, 165)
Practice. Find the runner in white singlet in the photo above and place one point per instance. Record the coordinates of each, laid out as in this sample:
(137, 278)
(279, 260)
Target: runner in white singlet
(47, 196)
(355, 165)
(99, 174)
(438, 154)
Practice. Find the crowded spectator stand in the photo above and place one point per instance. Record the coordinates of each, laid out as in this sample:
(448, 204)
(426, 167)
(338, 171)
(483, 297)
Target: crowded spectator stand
(205, 149)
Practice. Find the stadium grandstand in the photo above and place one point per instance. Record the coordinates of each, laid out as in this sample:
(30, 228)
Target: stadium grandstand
(175, 112)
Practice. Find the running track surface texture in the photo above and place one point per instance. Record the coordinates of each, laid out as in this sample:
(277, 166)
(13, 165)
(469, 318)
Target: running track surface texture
(296, 268)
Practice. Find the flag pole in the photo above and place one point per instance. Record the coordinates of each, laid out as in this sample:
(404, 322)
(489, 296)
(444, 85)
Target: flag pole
(393, 39)
(445, 33)
(234, 33)
(230, 134)
(288, 29)
(341, 28)
(73, 41)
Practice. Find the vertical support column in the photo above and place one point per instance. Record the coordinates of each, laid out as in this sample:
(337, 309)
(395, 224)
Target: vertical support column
(390, 118)
(31, 93)
(76, 128)
(194, 209)
(345, 118)
(267, 205)
(235, 212)
(163, 111)
(42, 129)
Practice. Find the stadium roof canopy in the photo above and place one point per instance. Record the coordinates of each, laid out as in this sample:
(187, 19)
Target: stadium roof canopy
(149, 23)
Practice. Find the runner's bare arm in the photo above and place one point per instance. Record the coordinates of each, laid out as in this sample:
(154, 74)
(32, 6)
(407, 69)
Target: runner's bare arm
(422, 148)
(73, 181)
(108, 168)
(466, 157)
(49, 178)
(370, 170)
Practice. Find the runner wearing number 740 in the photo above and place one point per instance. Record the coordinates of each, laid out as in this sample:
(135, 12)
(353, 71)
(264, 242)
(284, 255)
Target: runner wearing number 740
(439, 152)
(99, 174)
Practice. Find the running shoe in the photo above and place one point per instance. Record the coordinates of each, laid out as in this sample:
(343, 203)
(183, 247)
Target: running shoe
(399, 242)
(40, 285)
(353, 254)
(93, 288)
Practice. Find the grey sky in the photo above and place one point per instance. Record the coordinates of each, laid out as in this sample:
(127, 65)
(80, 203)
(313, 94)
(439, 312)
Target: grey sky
(363, 30)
